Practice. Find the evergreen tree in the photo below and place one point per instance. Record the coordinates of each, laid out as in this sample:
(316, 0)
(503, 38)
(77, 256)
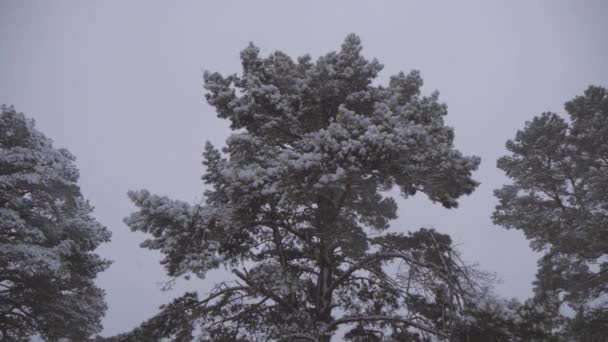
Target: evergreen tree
(559, 199)
(47, 236)
(297, 209)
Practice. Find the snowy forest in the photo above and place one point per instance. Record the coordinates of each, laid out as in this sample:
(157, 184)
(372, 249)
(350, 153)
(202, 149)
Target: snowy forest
(294, 236)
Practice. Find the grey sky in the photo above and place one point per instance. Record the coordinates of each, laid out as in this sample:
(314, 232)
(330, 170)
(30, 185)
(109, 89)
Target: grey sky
(119, 83)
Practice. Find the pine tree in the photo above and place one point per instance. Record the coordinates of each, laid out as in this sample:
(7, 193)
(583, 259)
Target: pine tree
(559, 199)
(47, 236)
(297, 209)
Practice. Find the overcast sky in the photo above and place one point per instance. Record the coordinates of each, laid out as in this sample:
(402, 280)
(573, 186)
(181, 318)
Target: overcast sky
(119, 83)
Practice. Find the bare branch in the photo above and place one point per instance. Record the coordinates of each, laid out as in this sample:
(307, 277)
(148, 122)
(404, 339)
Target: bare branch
(375, 318)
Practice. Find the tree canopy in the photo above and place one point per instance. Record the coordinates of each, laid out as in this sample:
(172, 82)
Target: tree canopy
(559, 200)
(297, 209)
(47, 236)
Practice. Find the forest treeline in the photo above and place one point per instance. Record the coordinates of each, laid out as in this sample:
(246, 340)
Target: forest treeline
(296, 210)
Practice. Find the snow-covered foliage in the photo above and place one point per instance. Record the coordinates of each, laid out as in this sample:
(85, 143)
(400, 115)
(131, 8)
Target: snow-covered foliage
(47, 236)
(559, 199)
(296, 208)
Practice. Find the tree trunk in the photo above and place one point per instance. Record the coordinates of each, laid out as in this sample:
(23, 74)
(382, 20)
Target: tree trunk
(324, 295)
(326, 265)
(325, 338)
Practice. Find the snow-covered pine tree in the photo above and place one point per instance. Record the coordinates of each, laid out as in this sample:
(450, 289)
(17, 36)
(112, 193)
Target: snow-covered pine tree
(47, 236)
(559, 199)
(297, 209)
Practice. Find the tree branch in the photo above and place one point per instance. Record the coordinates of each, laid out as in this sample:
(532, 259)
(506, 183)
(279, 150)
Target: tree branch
(263, 290)
(375, 318)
